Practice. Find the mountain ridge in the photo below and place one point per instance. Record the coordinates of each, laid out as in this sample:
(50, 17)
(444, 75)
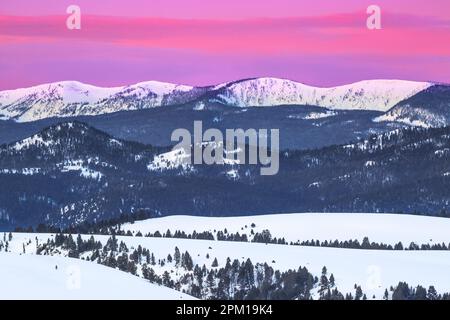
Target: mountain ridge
(73, 98)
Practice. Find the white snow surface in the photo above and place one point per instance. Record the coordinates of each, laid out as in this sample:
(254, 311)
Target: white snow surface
(171, 160)
(78, 166)
(379, 95)
(32, 277)
(180, 158)
(73, 98)
(413, 116)
(23, 171)
(386, 228)
(35, 140)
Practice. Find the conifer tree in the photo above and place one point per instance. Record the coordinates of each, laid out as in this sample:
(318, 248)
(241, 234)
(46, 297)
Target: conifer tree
(358, 293)
(187, 261)
(177, 256)
(332, 284)
(432, 293)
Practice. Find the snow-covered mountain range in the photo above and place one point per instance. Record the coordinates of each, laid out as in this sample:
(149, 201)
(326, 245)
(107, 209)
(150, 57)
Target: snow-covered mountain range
(72, 98)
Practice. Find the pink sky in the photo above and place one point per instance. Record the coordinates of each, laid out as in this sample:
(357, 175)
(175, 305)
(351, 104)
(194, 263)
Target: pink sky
(200, 42)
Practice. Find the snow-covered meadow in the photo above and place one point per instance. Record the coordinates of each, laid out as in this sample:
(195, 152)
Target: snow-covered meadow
(386, 228)
(373, 270)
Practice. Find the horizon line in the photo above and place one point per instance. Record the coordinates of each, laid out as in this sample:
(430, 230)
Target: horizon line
(225, 83)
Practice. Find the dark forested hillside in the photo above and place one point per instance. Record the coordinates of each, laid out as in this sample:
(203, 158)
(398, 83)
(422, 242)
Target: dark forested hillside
(70, 173)
(300, 127)
(427, 108)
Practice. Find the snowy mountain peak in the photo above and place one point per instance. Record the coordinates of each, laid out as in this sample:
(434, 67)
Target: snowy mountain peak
(160, 88)
(68, 91)
(380, 95)
(73, 98)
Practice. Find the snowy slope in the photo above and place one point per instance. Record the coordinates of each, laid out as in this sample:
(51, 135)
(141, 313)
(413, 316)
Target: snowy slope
(374, 270)
(45, 277)
(429, 108)
(386, 228)
(380, 95)
(180, 158)
(72, 98)
(413, 117)
(171, 160)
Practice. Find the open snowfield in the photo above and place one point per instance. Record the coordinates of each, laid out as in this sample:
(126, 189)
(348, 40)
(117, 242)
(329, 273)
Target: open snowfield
(44, 277)
(386, 228)
(374, 270)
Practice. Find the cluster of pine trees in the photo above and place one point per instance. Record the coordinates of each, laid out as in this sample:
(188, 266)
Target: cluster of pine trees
(235, 280)
(405, 292)
(367, 245)
(104, 227)
(4, 245)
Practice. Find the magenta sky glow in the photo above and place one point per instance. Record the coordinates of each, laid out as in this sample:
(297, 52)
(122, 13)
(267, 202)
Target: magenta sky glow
(199, 42)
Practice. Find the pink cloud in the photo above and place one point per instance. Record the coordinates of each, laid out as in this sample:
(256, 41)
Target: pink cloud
(219, 9)
(325, 49)
(336, 34)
